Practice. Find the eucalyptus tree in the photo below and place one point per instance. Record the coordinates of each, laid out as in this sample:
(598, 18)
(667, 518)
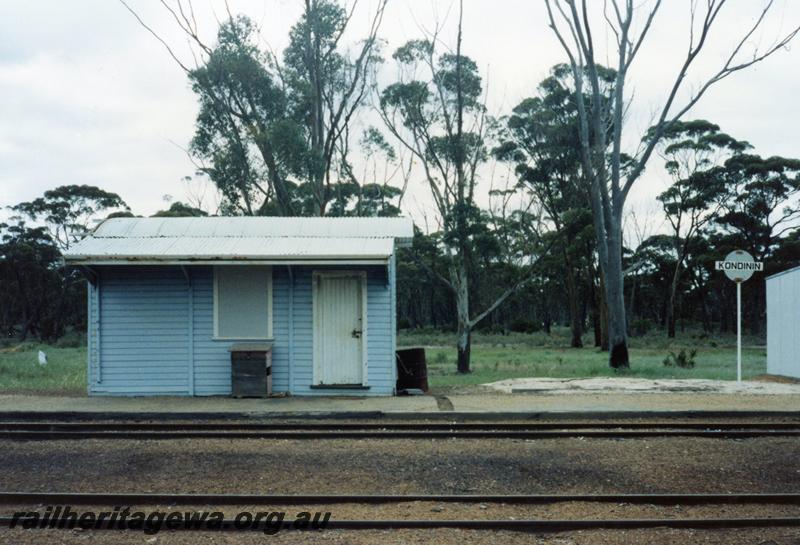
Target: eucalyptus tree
(179, 209)
(578, 28)
(435, 112)
(693, 152)
(327, 86)
(540, 138)
(656, 262)
(68, 211)
(272, 130)
(763, 201)
(37, 293)
(30, 282)
(762, 207)
(248, 144)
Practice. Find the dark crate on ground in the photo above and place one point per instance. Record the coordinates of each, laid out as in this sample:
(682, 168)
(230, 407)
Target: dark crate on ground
(412, 369)
(251, 370)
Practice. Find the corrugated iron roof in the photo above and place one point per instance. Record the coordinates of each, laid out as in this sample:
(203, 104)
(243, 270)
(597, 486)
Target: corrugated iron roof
(144, 240)
(398, 228)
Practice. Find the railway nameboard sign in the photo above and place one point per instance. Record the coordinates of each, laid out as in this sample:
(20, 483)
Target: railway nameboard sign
(739, 266)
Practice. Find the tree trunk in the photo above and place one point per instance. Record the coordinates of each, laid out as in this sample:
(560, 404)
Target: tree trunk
(574, 309)
(26, 328)
(673, 290)
(460, 283)
(602, 298)
(464, 348)
(313, 55)
(615, 300)
(670, 318)
(632, 303)
(594, 306)
(707, 327)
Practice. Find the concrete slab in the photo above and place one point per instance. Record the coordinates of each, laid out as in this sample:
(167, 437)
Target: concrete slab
(614, 385)
(626, 402)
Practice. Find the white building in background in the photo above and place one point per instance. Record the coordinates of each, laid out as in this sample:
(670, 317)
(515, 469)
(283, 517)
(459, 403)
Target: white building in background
(783, 323)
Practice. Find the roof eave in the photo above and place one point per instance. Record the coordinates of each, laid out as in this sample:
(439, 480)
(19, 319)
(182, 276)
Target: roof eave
(787, 271)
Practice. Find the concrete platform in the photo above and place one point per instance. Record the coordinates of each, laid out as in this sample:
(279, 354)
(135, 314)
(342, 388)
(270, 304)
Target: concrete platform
(489, 405)
(222, 405)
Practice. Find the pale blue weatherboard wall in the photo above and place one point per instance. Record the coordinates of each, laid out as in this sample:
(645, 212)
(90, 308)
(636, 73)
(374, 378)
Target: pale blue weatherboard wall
(151, 332)
(143, 317)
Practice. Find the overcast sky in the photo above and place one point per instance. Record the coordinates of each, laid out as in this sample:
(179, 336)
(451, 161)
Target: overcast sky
(87, 96)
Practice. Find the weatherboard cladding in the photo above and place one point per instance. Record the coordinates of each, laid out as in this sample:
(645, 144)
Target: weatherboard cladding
(93, 334)
(151, 332)
(783, 325)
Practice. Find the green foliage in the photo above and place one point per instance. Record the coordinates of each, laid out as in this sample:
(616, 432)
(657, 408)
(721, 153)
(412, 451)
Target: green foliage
(414, 51)
(641, 326)
(241, 108)
(68, 209)
(428, 107)
(323, 26)
(180, 210)
(681, 359)
(373, 143)
(125, 214)
(761, 203)
(275, 134)
(36, 295)
(692, 151)
(524, 326)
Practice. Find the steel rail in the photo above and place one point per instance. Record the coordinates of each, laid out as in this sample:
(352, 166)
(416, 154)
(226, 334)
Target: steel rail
(102, 498)
(400, 434)
(538, 526)
(389, 426)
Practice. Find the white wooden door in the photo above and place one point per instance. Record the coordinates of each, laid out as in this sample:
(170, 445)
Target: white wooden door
(339, 328)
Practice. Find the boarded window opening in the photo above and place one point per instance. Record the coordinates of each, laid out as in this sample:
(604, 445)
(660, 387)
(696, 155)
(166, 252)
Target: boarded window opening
(243, 302)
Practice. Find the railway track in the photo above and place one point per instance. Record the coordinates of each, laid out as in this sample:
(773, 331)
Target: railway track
(393, 426)
(30, 430)
(533, 526)
(544, 525)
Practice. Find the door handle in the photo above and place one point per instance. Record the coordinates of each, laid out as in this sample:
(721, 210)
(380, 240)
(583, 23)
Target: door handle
(356, 333)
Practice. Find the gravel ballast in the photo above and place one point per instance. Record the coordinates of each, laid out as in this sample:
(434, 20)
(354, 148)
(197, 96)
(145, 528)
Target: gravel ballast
(397, 466)
(419, 466)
